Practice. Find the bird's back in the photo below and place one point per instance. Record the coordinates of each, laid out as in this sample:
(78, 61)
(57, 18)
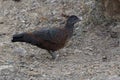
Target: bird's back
(52, 39)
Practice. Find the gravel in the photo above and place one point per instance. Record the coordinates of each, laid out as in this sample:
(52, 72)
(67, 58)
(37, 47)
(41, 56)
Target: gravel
(91, 54)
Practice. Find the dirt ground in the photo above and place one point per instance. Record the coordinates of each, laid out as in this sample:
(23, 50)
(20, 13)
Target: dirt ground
(93, 53)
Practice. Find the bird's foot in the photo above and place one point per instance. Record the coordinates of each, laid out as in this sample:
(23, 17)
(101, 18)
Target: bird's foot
(54, 55)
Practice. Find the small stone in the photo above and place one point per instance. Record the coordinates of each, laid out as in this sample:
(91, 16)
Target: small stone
(1, 20)
(20, 51)
(5, 67)
(115, 77)
(77, 51)
(104, 58)
(114, 34)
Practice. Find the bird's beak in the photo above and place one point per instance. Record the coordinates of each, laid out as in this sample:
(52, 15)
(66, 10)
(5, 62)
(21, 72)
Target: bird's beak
(79, 19)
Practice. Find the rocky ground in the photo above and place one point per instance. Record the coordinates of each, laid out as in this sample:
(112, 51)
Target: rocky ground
(93, 53)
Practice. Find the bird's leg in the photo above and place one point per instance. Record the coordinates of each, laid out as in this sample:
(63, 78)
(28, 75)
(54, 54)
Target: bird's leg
(54, 55)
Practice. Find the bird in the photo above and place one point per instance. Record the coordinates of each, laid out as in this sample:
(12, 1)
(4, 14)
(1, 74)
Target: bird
(50, 39)
(16, 0)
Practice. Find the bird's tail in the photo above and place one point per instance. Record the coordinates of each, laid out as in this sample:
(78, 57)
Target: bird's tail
(18, 37)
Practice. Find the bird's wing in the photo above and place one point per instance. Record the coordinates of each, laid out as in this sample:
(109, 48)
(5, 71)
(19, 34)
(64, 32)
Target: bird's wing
(52, 35)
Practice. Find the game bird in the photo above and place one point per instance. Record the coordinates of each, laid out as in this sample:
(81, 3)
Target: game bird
(50, 39)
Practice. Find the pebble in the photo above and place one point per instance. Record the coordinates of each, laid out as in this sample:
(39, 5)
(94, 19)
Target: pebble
(20, 51)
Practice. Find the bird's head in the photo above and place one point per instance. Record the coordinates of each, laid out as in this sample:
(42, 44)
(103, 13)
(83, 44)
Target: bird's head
(72, 19)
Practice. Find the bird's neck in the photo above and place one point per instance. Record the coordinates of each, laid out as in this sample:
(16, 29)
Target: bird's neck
(69, 26)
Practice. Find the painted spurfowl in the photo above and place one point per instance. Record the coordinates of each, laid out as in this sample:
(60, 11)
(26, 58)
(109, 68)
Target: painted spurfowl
(51, 39)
